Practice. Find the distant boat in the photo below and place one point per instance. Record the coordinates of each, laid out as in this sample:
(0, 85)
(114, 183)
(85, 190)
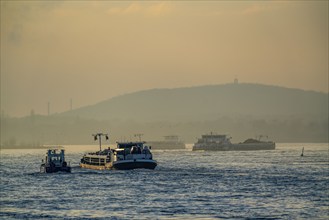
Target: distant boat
(215, 142)
(127, 155)
(170, 142)
(55, 162)
(302, 155)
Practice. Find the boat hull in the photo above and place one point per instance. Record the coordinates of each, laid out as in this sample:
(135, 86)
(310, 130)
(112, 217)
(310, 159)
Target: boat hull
(96, 167)
(48, 169)
(134, 164)
(236, 147)
(123, 165)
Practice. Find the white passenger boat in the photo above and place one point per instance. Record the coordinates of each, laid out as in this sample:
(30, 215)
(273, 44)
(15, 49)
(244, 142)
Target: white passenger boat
(132, 155)
(127, 155)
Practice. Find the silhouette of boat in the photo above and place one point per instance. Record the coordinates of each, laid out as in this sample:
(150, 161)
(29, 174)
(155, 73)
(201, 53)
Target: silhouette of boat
(215, 142)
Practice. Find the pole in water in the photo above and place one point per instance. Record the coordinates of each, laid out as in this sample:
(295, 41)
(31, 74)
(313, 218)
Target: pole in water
(302, 152)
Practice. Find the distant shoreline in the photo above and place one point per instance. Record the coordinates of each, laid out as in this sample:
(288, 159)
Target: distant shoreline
(187, 146)
(26, 147)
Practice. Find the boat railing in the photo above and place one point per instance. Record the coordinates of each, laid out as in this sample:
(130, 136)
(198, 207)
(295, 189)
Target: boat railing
(97, 161)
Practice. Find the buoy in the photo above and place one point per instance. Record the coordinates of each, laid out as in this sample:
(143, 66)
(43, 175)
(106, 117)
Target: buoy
(302, 152)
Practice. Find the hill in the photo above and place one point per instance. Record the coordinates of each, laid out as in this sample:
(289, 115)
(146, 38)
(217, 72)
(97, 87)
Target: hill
(241, 110)
(208, 102)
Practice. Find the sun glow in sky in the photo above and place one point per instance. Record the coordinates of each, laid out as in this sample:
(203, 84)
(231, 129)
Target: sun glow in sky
(94, 50)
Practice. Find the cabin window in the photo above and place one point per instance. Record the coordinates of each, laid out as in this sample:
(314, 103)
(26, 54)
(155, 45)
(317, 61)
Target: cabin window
(55, 158)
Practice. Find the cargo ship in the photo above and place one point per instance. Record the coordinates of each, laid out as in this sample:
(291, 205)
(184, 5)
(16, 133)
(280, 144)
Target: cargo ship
(220, 142)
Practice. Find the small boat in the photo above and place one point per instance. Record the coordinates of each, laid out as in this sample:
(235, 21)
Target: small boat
(127, 155)
(55, 162)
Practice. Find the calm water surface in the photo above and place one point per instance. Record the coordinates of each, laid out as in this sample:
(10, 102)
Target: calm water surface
(275, 184)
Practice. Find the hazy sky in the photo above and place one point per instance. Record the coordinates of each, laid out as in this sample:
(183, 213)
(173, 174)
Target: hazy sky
(91, 51)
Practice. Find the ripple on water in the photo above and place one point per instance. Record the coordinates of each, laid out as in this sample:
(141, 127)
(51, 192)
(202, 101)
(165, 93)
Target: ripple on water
(263, 184)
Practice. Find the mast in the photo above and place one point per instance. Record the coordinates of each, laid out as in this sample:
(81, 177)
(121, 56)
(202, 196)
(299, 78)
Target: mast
(99, 137)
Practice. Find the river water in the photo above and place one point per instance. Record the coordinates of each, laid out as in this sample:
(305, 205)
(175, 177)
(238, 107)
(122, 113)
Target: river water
(278, 184)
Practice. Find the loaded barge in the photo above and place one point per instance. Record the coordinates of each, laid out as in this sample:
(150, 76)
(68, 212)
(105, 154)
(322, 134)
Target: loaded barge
(215, 142)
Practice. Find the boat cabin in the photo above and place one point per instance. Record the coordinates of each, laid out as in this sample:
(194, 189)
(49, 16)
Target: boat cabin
(132, 150)
(214, 138)
(55, 157)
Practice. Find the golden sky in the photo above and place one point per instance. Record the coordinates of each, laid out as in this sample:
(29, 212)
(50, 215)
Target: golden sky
(91, 51)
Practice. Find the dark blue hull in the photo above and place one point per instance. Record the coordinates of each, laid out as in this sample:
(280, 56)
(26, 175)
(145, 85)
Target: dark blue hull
(129, 165)
(55, 169)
